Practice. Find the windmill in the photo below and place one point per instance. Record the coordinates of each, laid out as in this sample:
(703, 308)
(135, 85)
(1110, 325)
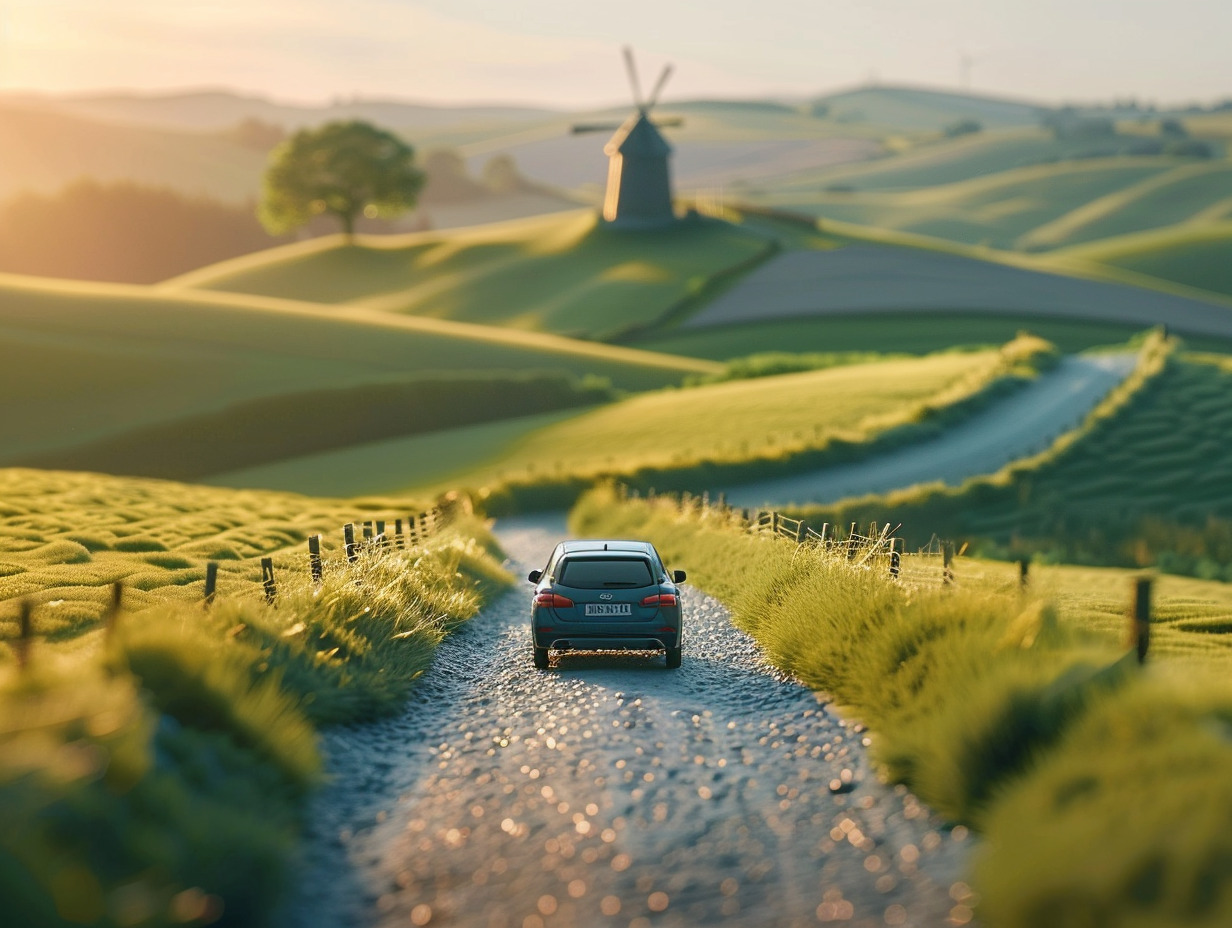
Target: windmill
(639, 187)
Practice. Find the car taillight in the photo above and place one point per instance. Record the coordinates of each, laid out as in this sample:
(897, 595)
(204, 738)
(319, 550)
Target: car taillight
(554, 600)
(660, 599)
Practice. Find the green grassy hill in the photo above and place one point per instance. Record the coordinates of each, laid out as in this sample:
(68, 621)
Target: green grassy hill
(763, 419)
(1037, 207)
(916, 108)
(1195, 256)
(930, 163)
(1001, 210)
(91, 361)
(1198, 193)
(561, 273)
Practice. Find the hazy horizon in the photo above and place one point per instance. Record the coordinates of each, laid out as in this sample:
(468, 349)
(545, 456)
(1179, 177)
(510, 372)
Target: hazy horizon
(557, 54)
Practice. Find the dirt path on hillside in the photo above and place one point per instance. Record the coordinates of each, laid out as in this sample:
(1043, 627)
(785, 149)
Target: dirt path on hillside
(1022, 424)
(611, 791)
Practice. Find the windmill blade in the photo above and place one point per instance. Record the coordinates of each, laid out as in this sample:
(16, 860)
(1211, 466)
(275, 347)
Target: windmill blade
(658, 88)
(631, 67)
(580, 127)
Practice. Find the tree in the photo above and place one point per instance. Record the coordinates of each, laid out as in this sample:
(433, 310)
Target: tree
(341, 169)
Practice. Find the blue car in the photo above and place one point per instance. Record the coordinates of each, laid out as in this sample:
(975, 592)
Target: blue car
(606, 596)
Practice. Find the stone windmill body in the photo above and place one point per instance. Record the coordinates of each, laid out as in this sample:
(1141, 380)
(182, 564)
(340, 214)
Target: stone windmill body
(639, 185)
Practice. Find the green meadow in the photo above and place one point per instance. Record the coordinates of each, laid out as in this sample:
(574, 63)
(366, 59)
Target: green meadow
(91, 362)
(560, 273)
(155, 760)
(748, 423)
(1197, 256)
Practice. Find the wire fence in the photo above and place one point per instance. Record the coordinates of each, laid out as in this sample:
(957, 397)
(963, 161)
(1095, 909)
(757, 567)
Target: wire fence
(873, 547)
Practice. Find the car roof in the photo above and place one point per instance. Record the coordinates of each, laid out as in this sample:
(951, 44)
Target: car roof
(610, 545)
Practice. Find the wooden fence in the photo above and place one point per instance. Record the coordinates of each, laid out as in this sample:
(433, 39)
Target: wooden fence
(877, 548)
(872, 547)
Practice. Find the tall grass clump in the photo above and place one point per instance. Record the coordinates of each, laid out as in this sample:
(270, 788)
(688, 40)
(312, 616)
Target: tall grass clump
(1040, 734)
(158, 778)
(1125, 822)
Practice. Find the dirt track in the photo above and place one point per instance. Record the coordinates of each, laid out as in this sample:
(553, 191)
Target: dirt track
(611, 791)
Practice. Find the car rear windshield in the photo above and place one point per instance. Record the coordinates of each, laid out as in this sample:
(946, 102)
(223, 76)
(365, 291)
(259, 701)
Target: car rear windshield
(600, 573)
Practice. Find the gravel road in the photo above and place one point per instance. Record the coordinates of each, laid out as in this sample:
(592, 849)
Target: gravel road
(1022, 424)
(611, 791)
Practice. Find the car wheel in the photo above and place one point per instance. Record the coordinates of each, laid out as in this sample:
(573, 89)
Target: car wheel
(673, 658)
(541, 657)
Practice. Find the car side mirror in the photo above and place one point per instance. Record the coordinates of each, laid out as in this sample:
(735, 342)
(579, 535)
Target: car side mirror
(679, 576)
(535, 576)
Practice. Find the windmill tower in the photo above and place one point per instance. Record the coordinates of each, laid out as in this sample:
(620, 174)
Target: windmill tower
(639, 186)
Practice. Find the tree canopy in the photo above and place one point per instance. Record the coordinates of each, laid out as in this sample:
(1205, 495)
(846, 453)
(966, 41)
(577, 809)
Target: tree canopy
(340, 169)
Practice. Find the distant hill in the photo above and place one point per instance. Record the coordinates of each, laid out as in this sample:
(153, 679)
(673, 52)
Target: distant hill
(1192, 255)
(45, 150)
(914, 108)
(212, 110)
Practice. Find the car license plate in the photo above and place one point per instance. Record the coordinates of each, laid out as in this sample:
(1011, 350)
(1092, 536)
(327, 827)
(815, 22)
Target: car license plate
(609, 609)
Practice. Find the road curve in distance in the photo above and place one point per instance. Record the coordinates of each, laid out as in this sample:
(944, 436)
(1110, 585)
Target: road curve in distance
(1022, 424)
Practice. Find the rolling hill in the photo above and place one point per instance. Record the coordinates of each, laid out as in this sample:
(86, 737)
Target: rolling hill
(45, 150)
(559, 273)
(907, 108)
(89, 361)
(732, 422)
(865, 278)
(1197, 256)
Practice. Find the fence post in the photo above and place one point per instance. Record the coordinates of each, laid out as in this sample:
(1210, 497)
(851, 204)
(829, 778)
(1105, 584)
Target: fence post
(1140, 629)
(896, 561)
(348, 542)
(380, 533)
(211, 582)
(1024, 571)
(400, 541)
(25, 628)
(267, 579)
(947, 563)
(113, 611)
(801, 532)
(851, 542)
(314, 558)
(367, 531)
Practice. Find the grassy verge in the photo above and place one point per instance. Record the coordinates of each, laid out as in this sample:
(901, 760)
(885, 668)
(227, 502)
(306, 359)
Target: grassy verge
(153, 765)
(739, 430)
(1090, 778)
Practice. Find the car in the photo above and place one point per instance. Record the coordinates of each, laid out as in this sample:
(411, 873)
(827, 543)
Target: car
(606, 595)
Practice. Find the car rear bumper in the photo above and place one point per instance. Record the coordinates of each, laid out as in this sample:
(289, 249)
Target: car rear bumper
(560, 640)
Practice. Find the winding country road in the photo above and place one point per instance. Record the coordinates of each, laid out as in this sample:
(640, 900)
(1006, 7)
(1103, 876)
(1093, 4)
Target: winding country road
(611, 791)
(1020, 425)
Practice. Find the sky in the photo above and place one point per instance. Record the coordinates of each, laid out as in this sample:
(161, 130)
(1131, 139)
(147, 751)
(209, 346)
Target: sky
(566, 53)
